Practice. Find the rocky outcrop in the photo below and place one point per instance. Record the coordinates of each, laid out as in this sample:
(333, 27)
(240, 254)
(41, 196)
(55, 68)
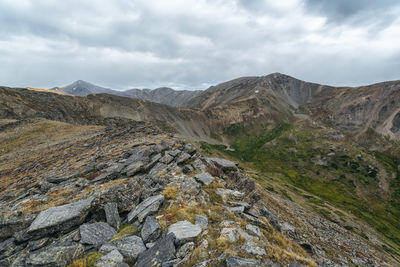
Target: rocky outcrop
(60, 219)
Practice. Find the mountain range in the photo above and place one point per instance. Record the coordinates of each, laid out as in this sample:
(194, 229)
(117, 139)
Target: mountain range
(284, 172)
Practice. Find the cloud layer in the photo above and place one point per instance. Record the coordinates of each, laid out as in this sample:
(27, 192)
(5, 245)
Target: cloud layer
(191, 44)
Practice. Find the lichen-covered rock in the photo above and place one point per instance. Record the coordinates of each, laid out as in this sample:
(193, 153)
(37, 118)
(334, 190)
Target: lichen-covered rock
(184, 250)
(60, 219)
(202, 221)
(184, 231)
(130, 247)
(226, 194)
(112, 215)
(240, 262)
(232, 234)
(55, 256)
(254, 229)
(147, 207)
(204, 178)
(151, 230)
(96, 233)
(162, 251)
(224, 164)
(110, 260)
(11, 225)
(253, 249)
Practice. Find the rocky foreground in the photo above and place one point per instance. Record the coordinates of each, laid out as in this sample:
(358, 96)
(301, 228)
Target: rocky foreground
(137, 197)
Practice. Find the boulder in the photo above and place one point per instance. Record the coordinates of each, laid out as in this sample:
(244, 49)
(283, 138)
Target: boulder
(60, 219)
(254, 229)
(157, 169)
(185, 250)
(232, 234)
(96, 233)
(253, 249)
(204, 178)
(229, 194)
(202, 221)
(190, 186)
(184, 231)
(272, 219)
(241, 262)
(224, 164)
(162, 251)
(187, 169)
(110, 260)
(147, 207)
(189, 148)
(130, 247)
(166, 159)
(11, 225)
(38, 244)
(55, 256)
(183, 157)
(112, 215)
(106, 248)
(133, 168)
(151, 230)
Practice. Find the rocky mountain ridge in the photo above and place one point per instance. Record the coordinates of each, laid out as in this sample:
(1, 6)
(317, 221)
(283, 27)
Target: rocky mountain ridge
(145, 198)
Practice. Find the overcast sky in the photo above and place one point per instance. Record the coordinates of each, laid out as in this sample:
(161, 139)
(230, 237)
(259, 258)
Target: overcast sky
(191, 44)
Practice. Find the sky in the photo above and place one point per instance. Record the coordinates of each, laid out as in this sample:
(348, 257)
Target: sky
(192, 44)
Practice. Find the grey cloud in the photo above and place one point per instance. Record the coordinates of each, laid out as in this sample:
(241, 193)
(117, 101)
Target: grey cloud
(191, 44)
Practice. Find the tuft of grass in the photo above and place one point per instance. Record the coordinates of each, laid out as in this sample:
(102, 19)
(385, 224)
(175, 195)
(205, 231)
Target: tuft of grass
(171, 192)
(87, 261)
(124, 231)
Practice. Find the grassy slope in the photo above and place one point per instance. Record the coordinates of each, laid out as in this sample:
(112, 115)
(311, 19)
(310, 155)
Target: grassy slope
(346, 182)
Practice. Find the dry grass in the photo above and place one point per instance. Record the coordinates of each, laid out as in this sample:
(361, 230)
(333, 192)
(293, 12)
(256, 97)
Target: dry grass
(171, 192)
(87, 261)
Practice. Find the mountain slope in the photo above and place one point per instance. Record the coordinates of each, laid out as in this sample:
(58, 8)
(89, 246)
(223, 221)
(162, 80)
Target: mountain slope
(356, 109)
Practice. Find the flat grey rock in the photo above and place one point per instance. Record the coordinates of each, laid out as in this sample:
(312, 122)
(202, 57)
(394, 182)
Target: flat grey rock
(224, 164)
(239, 209)
(184, 250)
(60, 219)
(204, 178)
(189, 148)
(151, 230)
(190, 186)
(56, 256)
(229, 194)
(110, 260)
(183, 157)
(106, 248)
(241, 262)
(133, 168)
(254, 229)
(96, 233)
(184, 231)
(162, 251)
(112, 215)
(202, 221)
(158, 168)
(130, 247)
(166, 159)
(253, 249)
(147, 207)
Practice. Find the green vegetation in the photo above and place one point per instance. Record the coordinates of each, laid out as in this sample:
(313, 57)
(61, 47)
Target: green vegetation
(124, 231)
(87, 261)
(330, 172)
